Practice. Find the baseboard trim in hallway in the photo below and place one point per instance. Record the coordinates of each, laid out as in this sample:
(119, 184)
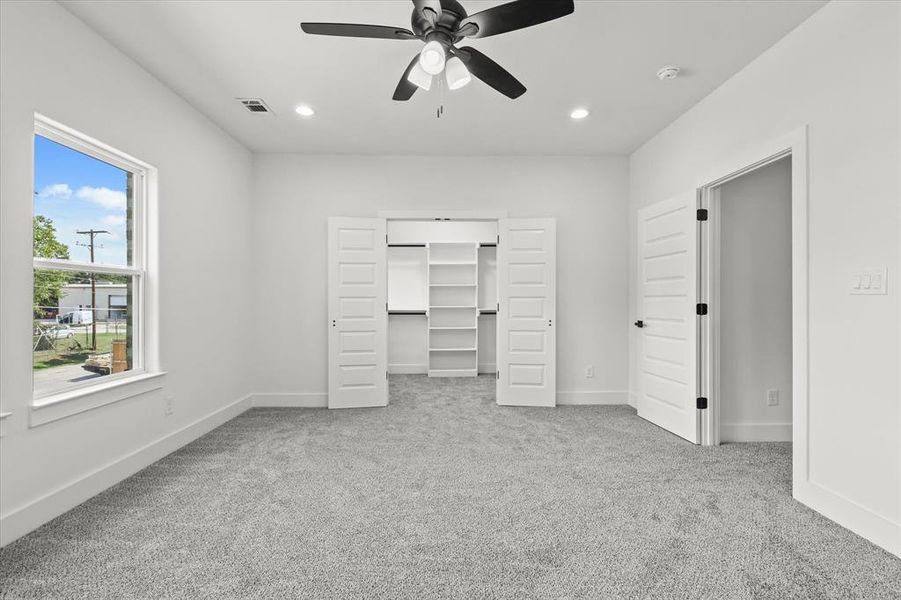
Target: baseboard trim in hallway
(756, 432)
(25, 519)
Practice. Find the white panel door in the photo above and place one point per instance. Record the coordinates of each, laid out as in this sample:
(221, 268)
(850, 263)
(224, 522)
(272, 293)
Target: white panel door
(358, 315)
(667, 296)
(526, 317)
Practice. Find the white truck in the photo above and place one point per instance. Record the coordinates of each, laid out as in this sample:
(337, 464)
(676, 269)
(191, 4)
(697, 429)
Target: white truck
(76, 317)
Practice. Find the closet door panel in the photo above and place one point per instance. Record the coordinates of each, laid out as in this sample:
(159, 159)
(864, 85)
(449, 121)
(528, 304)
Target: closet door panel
(358, 316)
(526, 340)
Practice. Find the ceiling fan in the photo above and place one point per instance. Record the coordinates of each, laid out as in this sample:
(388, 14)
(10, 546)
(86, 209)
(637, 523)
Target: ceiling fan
(442, 24)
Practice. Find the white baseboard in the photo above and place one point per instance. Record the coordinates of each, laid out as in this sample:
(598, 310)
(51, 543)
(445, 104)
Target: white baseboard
(487, 368)
(411, 369)
(633, 399)
(876, 528)
(756, 432)
(290, 400)
(592, 398)
(21, 521)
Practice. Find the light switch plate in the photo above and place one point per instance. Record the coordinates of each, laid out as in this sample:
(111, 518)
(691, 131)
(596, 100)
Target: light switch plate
(871, 281)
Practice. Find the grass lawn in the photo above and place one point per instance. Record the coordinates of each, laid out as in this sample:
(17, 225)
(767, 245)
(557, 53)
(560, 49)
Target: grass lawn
(69, 353)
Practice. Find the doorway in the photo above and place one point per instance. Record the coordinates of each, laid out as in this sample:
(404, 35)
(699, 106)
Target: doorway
(442, 297)
(749, 241)
(678, 373)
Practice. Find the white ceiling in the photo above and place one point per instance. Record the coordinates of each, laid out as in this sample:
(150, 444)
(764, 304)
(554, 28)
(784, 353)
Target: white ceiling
(604, 56)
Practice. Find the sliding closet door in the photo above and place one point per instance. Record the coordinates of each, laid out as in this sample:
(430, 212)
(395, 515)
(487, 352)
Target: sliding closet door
(526, 316)
(358, 317)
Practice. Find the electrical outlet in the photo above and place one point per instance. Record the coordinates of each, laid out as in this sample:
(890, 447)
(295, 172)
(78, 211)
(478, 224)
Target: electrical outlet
(772, 397)
(589, 372)
(168, 407)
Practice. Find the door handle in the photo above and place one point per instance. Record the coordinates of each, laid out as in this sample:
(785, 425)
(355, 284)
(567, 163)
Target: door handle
(639, 324)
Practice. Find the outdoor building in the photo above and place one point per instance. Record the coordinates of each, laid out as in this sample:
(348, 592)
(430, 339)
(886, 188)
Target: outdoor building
(111, 300)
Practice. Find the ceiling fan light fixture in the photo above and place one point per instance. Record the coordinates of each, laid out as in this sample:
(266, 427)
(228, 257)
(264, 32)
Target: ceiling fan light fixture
(457, 74)
(419, 77)
(432, 58)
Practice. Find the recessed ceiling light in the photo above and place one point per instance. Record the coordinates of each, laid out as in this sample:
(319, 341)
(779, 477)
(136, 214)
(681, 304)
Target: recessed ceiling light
(579, 113)
(304, 111)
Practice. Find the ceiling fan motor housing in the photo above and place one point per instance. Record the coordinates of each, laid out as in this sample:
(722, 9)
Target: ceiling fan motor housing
(445, 27)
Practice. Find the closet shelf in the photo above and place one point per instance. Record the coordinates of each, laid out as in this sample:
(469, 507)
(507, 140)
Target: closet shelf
(452, 349)
(453, 328)
(451, 306)
(452, 263)
(452, 285)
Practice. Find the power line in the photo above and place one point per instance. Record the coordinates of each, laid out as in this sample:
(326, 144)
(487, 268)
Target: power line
(92, 233)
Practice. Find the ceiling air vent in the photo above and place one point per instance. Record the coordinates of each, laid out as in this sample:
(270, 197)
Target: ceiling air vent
(255, 105)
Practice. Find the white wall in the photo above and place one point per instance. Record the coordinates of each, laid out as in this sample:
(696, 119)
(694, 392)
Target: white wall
(52, 64)
(838, 73)
(297, 193)
(755, 305)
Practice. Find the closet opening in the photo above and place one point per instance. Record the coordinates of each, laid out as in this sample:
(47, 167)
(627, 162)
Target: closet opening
(442, 297)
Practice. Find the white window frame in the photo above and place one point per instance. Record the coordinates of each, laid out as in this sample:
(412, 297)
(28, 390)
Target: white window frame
(145, 372)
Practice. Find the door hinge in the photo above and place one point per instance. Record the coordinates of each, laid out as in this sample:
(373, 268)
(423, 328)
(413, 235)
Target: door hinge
(386, 375)
(702, 403)
(702, 214)
(702, 308)
(497, 375)
(386, 238)
(386, 307)
(498, 239)
(498, 309)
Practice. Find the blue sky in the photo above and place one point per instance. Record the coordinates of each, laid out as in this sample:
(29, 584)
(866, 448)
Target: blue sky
(78, 192)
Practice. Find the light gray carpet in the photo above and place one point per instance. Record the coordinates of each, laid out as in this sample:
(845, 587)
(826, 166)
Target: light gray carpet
(446, 495)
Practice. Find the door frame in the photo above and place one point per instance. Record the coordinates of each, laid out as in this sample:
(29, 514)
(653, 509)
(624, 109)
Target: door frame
(794, 144)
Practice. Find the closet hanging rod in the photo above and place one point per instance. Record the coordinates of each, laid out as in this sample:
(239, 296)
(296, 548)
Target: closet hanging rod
(406, 245)
(407, 312)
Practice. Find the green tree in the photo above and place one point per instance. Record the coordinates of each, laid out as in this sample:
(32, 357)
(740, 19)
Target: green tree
(48, 285)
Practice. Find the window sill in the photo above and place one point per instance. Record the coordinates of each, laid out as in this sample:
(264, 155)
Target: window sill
(65, 404)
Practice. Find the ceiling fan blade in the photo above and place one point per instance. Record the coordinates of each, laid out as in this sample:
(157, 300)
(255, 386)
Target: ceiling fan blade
(490, 72)
(405, 87)
(429, 9)
(359, 31)
(515, 15)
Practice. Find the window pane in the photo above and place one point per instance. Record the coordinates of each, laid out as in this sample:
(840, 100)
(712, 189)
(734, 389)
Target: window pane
(82, 206)
(82, 327)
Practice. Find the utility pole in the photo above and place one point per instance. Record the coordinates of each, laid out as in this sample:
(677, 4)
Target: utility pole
(91, 233)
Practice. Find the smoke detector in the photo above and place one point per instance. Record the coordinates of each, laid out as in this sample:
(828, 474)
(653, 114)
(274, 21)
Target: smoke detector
(668, 72)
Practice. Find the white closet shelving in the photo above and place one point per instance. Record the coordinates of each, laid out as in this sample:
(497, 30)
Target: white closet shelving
(453, 309)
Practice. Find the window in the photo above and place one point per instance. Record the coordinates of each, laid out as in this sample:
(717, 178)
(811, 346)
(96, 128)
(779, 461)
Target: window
(89, 268)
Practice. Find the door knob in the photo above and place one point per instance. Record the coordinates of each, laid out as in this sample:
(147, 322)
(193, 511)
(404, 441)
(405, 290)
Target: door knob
(639, 323)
